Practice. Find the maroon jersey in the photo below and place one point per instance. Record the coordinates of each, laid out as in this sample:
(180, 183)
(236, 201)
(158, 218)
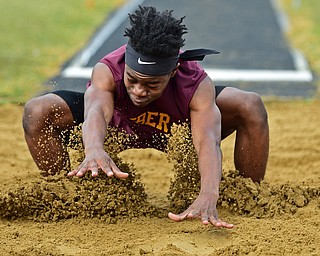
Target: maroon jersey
(151, 122)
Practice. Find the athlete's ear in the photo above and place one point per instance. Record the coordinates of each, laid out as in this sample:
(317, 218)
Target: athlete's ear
(173, 72)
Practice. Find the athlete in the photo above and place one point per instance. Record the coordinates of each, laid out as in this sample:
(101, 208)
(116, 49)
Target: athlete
(144, 87)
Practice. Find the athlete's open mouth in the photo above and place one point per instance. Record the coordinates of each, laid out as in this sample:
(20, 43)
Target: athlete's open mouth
(139, 102)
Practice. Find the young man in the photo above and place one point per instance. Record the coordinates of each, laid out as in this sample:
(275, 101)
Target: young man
(144, 87)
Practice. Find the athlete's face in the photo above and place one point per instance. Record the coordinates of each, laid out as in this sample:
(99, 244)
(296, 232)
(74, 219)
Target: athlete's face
(143, 89)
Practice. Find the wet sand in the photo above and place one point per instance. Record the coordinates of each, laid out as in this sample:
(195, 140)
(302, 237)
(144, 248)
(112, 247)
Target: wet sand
(63, 216)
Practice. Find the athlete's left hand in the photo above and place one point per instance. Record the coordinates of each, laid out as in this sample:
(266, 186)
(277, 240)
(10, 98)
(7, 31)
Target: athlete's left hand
(204, 208)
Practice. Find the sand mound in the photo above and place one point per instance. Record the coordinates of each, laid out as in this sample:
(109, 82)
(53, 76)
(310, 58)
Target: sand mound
(238, 194)
(58, 197)
(242, 196)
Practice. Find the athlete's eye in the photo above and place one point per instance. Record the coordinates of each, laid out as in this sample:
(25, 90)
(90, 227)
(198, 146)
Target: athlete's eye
(132, 81)
(153, 87)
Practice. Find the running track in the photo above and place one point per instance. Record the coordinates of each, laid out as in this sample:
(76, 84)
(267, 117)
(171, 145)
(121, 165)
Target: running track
(255, 54)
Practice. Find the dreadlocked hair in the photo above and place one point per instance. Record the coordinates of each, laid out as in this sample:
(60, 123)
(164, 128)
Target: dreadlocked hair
(154, 33)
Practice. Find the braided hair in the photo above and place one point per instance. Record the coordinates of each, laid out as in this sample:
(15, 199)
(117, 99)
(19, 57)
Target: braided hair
(155, 33)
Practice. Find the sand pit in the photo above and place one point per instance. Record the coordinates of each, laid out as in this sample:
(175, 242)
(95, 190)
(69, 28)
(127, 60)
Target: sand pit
(102, 216)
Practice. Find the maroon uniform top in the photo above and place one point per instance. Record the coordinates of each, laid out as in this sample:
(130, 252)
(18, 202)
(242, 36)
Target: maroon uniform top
(151, 122)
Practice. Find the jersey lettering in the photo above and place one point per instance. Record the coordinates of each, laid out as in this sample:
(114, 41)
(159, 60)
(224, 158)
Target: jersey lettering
(154, 119)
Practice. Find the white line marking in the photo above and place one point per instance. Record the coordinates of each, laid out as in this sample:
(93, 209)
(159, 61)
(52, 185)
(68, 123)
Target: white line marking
(222, 74)
(281, 16)
(110, 27)
(259, 75)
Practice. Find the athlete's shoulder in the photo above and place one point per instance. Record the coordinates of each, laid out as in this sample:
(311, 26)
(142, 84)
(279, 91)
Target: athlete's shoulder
(190, 72)
(117, 54)
(116, 62)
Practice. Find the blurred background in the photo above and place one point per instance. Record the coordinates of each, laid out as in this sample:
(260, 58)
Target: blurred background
(39, 37)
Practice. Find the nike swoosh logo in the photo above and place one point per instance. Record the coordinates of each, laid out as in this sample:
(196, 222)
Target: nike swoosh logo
(146, 62)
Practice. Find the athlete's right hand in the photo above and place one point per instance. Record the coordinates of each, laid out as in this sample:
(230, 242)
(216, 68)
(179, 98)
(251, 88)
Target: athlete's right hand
(98, 160)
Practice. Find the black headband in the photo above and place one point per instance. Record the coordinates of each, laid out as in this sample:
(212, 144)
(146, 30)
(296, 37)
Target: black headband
(155, 66)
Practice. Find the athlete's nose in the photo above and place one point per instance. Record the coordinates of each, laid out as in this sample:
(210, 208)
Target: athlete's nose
(139, 90)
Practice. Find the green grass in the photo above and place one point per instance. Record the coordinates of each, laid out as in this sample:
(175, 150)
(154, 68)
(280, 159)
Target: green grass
(304, 32)
(37, 36)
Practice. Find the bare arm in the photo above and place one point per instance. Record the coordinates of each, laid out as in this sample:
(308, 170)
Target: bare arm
(98, 111)
(206, 134)
(98, 107)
